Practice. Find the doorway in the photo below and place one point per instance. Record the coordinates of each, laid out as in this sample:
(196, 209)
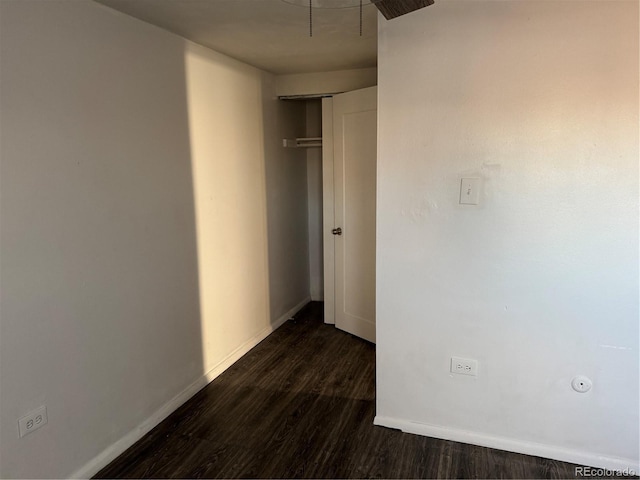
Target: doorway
(349, 210)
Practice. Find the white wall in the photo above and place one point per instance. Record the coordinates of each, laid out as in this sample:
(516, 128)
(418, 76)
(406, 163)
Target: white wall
(314, 195)
(286, 175)
(138, 173)
(540, 281)
(251, 198)
(325, 82)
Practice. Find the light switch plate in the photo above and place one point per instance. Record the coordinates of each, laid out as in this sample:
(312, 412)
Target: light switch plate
(470, 191)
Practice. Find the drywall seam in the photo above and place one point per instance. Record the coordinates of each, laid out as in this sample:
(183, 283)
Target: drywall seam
(502, 443)
(117, 448)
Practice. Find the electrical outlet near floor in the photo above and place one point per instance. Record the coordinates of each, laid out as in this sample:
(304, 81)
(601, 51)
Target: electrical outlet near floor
(32, 421)
(464, 366)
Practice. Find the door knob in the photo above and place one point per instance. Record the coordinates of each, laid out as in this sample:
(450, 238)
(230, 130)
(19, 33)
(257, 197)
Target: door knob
(337, 231)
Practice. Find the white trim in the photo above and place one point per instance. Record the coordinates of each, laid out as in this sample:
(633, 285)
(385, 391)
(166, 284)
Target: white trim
(345, 105)
(288, 316)
(511, 445)
(110, 453)
(328, 213)
(325, 83)
(360, 327)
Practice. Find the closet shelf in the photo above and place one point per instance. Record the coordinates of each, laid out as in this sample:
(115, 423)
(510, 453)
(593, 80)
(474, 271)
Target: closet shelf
(307, 142)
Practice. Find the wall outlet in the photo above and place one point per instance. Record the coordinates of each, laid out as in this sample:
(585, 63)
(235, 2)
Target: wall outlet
(32, 421)
(464, 366)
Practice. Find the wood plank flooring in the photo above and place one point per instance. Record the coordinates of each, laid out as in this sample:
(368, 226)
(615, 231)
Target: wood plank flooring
(301, 405)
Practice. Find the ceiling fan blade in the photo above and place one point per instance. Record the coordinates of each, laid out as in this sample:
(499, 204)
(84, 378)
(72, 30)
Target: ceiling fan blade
(395, 8)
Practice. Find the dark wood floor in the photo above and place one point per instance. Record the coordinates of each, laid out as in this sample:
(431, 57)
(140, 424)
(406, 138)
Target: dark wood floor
(301, 405)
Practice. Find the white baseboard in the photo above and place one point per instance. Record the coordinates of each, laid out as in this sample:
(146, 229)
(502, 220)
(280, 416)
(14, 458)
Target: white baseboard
(252, 342)
(510, 445)
(116, 449)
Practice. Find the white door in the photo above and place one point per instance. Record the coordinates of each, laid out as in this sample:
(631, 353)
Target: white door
(355, 156)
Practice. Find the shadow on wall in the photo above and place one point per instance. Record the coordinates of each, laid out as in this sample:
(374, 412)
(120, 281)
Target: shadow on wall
(286, 188)
(146, 223)
(100, 309)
